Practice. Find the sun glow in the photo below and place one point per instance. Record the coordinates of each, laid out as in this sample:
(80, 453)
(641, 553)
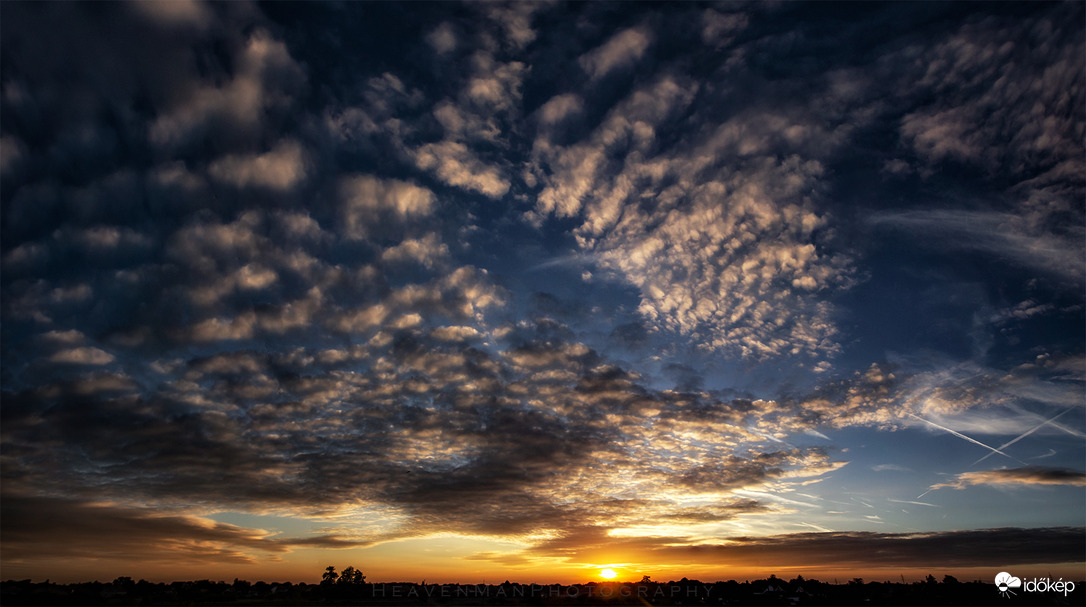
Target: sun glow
(608, 574)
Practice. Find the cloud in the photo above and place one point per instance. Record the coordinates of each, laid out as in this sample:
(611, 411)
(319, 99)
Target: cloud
(986, 105)
(281, 168)
(622, 49)
(988, 91)
(960, 396)
(489, 98)
(368, 199)
(493, 85)
(516, 20)
(1029, 475)
(39, 527)
(559, 107)
(720, 28)
(11, 152)
(450, 414)
(86, 355)
(719, 233)
(893, 467)
(176, 12)
(1005, 235)
(428, 251)
(442, 39)
(847, 550)
(265, 73)
(950, 133)
(215, 287)
(457, 165)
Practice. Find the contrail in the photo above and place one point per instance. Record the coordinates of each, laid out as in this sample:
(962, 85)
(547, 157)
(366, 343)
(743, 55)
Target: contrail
(911, 502)
(1028, 432)
(566, 260)
(972, 440)
(1071, 431)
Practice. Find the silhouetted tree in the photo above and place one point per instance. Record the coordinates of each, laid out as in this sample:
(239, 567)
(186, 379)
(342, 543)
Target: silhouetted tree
(646, 580)
(329, 576)
(351, 575)
(950, 579)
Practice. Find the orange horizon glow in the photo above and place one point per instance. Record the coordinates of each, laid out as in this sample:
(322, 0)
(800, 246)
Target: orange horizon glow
(309, 567)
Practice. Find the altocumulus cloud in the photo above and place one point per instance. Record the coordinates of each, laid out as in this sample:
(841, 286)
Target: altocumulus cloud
(494, 278)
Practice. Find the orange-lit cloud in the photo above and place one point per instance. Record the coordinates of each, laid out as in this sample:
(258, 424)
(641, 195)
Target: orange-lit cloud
(1016, 476)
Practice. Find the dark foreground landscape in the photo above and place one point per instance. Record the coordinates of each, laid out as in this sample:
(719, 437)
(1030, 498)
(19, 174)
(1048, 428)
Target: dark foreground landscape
(772, 591)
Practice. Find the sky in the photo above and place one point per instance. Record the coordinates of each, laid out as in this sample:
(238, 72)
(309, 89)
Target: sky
(468, 292)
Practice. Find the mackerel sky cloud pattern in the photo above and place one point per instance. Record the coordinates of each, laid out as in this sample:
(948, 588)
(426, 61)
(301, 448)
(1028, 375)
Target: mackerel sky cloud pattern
(547, 285)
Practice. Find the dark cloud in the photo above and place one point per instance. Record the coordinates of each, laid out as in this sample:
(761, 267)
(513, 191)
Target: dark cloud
(1017, 476)
(36, 527)
(974, 548)
(45, 527)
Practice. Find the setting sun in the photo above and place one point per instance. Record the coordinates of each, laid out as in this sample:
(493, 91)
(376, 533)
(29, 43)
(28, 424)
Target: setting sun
(608, 574)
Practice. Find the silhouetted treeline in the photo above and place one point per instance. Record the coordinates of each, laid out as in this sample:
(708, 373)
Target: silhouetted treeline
(352, 589)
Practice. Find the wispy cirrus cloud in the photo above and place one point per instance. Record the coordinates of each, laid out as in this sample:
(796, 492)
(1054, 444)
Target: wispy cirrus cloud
(1004, 235)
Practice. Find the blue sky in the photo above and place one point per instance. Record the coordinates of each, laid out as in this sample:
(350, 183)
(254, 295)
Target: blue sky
(482, 290)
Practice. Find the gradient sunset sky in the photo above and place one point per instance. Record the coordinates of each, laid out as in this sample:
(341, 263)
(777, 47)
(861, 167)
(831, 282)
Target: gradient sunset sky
(468, 292)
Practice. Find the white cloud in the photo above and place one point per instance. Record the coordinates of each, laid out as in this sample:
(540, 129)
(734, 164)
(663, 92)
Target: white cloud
(284, 317)
(463, 125)
(622, 49)
(280, 168)
(300, 226)
(366, 199)
(890, 467)
(494, 86)
(69, 337)
(264, 68)
(105, 238)
(442, 39)
(575, 170)
(175, 12)
(455, 333)
(557, 108)
(428, 251)
(86, 355)
(949, 133)
(455, 164)
(176, 176)
(515, 19)
(718, 234)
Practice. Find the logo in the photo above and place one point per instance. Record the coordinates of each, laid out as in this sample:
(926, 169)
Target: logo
(1005, 581)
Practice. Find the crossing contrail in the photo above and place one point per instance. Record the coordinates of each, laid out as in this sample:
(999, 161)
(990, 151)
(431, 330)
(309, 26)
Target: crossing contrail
(972, 440)
(1027, 433)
